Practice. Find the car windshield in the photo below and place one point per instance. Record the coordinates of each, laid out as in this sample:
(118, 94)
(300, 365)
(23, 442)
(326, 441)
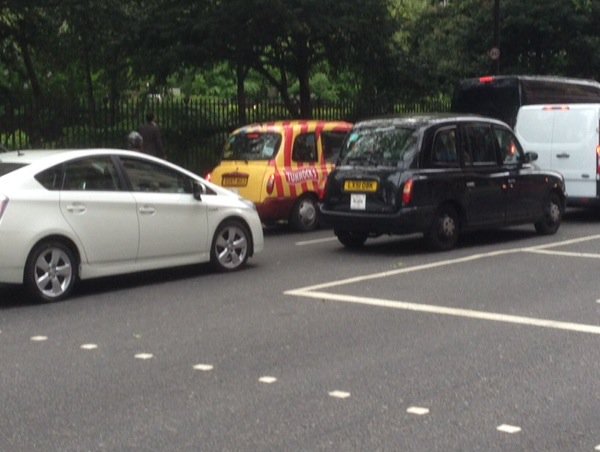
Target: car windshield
(252, 146)
(380, 146)
(7, 167)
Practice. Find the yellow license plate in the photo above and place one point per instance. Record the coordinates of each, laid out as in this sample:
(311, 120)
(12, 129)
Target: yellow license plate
(234, 181)
(362, 186)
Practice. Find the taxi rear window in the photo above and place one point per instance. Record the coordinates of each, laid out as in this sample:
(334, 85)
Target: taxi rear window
(252, 146)
(7, 167)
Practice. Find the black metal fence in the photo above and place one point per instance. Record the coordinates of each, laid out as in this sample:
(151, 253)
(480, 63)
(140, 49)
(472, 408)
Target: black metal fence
(193, 130)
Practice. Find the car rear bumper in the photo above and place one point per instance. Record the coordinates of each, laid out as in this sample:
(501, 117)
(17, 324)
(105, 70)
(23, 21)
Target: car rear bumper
(275, 209)
(405, 221)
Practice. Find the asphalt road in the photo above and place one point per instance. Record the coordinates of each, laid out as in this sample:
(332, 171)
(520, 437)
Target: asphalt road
(494, 346)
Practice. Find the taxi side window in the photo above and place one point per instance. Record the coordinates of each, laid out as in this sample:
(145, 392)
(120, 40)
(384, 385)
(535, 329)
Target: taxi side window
(510, 151)
(480, 146)
(443, 152)
(305, 148)
(332, 144)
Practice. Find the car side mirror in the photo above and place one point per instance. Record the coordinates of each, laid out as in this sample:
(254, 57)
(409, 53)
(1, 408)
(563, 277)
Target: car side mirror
(198, 190)
(531, 157)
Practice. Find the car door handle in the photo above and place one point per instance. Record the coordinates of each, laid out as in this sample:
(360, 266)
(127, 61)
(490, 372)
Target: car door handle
(511, 180)
(147, 210)
(563, 155)
(76, 208)
(470, 184)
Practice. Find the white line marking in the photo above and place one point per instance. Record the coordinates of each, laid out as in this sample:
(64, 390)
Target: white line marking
(312, 292)
(144, 355)
(567, 242)
(597, 447)
(267, 380)
(315, 241)
(39, 338)
(456, 312)
(419, 411)
(565, 253)
(203, 367)
(509, 428)
(416, 268)
(89, 346)
(339, 394)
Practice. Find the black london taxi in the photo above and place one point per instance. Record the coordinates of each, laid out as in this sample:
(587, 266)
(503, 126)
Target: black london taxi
(440, 175)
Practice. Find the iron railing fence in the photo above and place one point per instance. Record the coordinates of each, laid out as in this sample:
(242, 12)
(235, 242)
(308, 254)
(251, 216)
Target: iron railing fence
(193, 130)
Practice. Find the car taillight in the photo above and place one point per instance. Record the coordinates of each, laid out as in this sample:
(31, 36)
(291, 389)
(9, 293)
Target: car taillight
(3, 204)
(407, 192)
(486, 79)
(597, 165)
(271, 184)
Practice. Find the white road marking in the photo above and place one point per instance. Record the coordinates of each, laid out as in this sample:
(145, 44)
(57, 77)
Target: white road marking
(419, 411)
(597, 447)
(315, 241)
(89, 346)
(456, 312)
(313, 291)
(39, 338)
(267, 380)
(339, 394)
(203, 367)
(565, 253)
(508, 428)
(144, 355)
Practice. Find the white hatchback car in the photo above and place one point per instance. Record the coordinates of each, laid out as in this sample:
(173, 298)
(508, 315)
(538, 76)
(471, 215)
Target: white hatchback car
(69, 215)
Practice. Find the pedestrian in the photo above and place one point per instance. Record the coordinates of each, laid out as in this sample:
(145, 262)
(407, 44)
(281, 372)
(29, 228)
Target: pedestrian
(152, 141)
(135, 142)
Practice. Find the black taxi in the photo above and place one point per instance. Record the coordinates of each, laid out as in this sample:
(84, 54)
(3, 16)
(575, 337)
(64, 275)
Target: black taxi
(439, 175)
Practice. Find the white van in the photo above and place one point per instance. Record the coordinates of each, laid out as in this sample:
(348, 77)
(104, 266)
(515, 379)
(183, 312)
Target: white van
(566, 138)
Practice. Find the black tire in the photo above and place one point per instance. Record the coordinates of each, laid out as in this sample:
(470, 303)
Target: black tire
(550, 222)
(231, 246)
(444, 230)
(305, 214)
(351, 239)
(51, 271)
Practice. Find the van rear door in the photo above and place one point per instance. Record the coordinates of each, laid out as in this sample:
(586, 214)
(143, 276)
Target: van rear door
(574, 142)
(565, 137)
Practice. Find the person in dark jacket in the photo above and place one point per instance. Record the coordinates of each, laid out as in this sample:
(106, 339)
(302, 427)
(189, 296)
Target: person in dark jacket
(152, 140)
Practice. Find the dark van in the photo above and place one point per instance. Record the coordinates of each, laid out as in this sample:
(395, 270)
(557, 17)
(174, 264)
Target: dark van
(501, 97)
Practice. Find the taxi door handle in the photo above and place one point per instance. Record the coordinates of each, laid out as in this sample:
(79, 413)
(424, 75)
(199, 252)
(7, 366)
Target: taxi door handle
(563, 155)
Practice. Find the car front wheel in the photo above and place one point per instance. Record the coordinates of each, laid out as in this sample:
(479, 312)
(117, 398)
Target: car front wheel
(50, 271)
(444, 230)
(230, 246)
(550, 222)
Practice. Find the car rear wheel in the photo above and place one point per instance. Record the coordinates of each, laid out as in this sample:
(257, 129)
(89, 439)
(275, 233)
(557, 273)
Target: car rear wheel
(550, 222)
(305, 214)
(351, 239)
(230, 246)
(444, 230)
(51, 271)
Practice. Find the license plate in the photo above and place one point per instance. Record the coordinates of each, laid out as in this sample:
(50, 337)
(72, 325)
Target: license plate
(358, 201)
(234, 181)
(364, 186)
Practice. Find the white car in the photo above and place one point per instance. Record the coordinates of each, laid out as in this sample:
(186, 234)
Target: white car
(79, 214)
